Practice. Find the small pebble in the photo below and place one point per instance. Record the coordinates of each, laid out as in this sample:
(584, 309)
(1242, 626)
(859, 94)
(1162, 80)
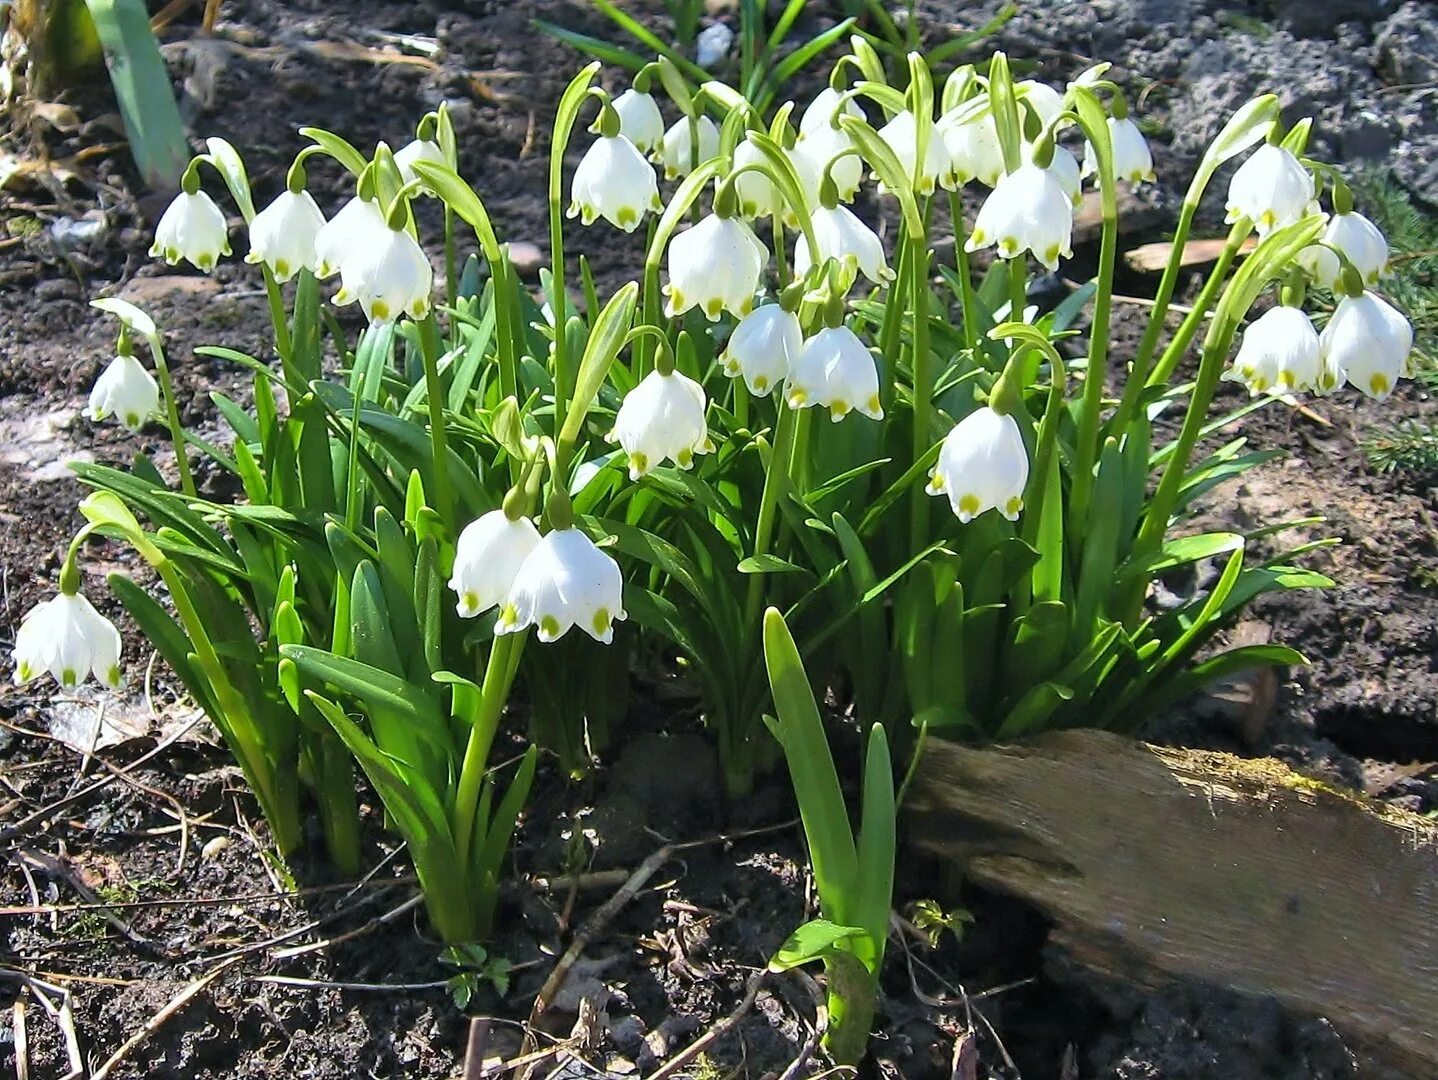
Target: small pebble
(214, 847)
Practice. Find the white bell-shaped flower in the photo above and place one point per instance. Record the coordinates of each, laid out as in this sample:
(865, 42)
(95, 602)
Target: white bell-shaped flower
(1361, 243)
(1272, 188)
(390, 278)
(1132, 159)
(758, 197)
(983, 465)
(640, 120)
(715, 266)
(1279, 353)
(902, 136)
(282, 235)
(565, 581)
(417, 150)
(192, 228)
(823, 108)
(1027, 211)
(763, 348)
(1042, 98)
(836, 370)
(1065, 168)
(613, 181)
(126, 391)
(67, 637)
(487, 558)
(815, 150)
(349, 233)
(974, 149)
(676, 151)
(843, 237)
(1366, 342)
(662, 418)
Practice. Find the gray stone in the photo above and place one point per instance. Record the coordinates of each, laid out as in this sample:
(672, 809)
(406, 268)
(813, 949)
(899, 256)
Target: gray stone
(1408, 44)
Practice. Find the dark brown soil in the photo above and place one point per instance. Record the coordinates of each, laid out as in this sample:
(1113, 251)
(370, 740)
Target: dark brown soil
(675, 960)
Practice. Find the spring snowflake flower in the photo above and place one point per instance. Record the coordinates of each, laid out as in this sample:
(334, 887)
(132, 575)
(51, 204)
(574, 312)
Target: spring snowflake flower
(639, 120)
(1132, 159)
(613, 181)
(902, 136)
(1045, 101)
(823, 109)
(192, 228)
(715, 266)
(662, 417)
(815, 150)
(1367, 343)
(1362, 244)
(1272, 188)
(283, 234)
(1065, 168)
(390, 278)
(487, 558)
(1279, 353)
(758, 197)
(565, 581)
(1027, 211)
(843, 237)
(350, 232)
(836, 370)
(126, 391)
(67, 637)
(763, 348)
(676, 151)
(974, 150)
(983, 465)
(417, 150)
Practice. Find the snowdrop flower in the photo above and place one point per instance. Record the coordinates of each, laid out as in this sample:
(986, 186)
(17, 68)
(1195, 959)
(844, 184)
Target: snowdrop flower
(282, 235)
(902, 135)
(417, 150)
(639, 120)
(1366, 342)
(982, 465)
(974, 150)
(1027, 211)
(565, 581)
(835, 370)
(127, 391)
(814, 151)
(1362, 244)
(758, 197)
(662, 417)
(67, 637)
(1042, 98)
(1279, 353)
(1132, 159)
(1272, 188)
(715, 266)
(390, 277)
(824, 108)
(843, 237)
(349, 232)
(192, 228)
(763, 348)
(676, 151)
(613, 181)
(487, 558)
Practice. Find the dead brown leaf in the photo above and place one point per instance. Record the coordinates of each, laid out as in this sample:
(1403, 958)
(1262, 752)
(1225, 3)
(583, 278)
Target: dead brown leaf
(1153, 258)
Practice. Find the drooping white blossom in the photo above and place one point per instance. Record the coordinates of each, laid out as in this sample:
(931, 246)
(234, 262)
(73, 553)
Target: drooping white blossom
(715, 266)
(758, 197)
(835, 369)
(1271, 188)
(565, 581)
(983, 465)
(662, 418)
(1046, 102)
(417, 150)
(613, 181)
(974, 149)
(1279, 353)
(822, 109)
(283, 234)
(192, 228)
(1366, 343)
(1065, 168)
(126, 391)
(487, 557)
(348, 234)
(815, 150)
(843, 237)
(1132, 158)
(68, 638)
(389, 278)
(676, 151)
(640, 120)
(763, 348)
(1362, 244)
(902, 136)
(1027, 211)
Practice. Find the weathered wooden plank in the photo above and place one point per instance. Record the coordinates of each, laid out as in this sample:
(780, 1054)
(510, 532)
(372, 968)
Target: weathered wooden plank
(1160, 863)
